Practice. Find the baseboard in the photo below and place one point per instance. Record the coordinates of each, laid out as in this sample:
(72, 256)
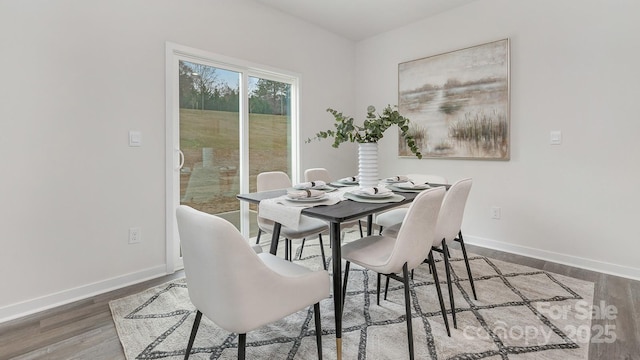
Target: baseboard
(564, 259)
(33, 306)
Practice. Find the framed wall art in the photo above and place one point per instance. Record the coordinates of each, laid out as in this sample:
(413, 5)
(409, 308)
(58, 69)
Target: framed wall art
(458, 103)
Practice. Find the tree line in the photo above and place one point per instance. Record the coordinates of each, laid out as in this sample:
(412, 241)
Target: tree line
(201, 88)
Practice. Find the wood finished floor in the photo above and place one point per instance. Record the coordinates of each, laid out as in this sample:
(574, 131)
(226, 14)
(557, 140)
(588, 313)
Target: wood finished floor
(85, 329)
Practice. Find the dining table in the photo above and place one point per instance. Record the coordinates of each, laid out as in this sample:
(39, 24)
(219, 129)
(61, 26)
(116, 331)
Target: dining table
(335, 214)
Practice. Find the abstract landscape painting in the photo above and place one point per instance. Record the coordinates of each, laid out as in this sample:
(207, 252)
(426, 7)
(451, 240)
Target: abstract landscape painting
(458, 103)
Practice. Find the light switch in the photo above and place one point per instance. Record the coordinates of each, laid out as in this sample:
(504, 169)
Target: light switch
(556, 137)
(135, 138)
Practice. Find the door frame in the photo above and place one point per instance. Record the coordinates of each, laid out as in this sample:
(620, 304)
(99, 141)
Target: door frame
(173, 54)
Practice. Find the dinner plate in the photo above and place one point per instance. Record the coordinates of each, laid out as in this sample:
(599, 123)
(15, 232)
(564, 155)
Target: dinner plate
(372, 196)
(348, 182)
(308, 199)
(341, 184)
(323, 188)
(413, 187)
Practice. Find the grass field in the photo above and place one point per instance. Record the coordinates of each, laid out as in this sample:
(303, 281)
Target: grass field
(212, 186)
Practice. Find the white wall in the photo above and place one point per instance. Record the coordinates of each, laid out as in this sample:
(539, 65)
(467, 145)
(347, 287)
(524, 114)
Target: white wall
(574, 68)
(76, 76)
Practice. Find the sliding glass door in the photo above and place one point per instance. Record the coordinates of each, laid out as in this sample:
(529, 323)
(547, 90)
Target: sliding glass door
(227, 122)
(209, 123)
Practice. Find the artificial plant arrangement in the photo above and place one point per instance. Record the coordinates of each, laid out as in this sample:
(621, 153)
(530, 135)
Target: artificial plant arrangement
(372, 129)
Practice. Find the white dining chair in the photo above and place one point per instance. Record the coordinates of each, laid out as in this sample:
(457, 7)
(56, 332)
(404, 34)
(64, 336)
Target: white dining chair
(238, 289)
(449, 228)
(322, 174)
(272, 180)
(396, 215)
(389, 256)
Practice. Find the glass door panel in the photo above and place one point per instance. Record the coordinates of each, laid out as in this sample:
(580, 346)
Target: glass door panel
(269, 131)
(210, 139)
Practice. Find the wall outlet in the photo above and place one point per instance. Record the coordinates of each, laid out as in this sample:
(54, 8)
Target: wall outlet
(135, 235)
(495, 213)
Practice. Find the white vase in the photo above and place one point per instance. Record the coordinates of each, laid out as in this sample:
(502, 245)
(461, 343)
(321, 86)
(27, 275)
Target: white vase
(368, 164)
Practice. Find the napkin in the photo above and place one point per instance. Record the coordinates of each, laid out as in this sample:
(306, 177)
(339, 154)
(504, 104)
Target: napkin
(412, 185)
(310, 185)
(397, 178)
(374, 190)
(350, 179)
(301, 194)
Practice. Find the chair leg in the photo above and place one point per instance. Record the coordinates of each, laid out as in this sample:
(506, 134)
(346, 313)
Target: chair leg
(386, 288)
(324, 259)
(258, 237)
(407, 305)
(316, 314)
(466, 262)
(360, 226)
(302, 246)
(434, 272)
(242, 346)
(344, 284)
(447, 267)
(380, 230)
(286, 249)
(378, 290)
(194, 331)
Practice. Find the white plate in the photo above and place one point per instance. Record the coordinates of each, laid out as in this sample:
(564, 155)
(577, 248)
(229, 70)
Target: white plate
(308, 199)
(390, 181)
(323, 188)
(413, 187)
(347, 182)
(372, 196)
(341, 184)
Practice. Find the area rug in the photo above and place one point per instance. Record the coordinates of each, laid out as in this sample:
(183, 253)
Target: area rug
(521, 313)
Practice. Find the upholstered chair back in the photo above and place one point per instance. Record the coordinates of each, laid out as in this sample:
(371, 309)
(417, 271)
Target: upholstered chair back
(451, 214)
(411, 244)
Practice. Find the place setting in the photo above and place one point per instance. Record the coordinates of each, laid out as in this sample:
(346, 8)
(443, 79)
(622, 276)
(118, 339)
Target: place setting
(286, 209)
(403, 183)
(315, 185)
(373, 195)
(304, 197)
(346, 181)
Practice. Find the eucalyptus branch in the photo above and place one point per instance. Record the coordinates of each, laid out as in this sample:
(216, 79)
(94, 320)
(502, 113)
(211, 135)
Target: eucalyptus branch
(372, 130)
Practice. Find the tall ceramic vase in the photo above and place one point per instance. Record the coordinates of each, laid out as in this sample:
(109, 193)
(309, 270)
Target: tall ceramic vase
(368, 164)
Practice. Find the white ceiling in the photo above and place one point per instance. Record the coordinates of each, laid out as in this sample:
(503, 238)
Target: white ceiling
(360, 19)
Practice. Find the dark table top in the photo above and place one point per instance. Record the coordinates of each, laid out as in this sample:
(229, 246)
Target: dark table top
(343, 211)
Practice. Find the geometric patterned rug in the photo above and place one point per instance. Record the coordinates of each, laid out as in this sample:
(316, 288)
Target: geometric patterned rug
(521, 313)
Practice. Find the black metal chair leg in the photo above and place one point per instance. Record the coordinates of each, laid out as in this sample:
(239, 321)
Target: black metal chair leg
(324, 259)
(378, 290)
(344, 284)
(242, 346)
(360, 226)
(407, 305)
(434, 272)
(466, 262)
(194, 331)
(286, 249)
(386, 288)
(447, 267)
(380, 230)
(316, 314)
(302, 246)
(258, 237)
